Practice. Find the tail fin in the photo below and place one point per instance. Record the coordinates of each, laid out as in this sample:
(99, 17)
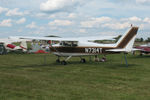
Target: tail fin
(127, 40)
(23, 45)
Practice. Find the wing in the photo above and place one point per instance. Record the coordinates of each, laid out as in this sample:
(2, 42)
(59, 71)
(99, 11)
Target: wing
(6, 40)
(68, 39)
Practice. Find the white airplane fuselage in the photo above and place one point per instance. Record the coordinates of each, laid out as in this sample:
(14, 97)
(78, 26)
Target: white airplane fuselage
(83, 49)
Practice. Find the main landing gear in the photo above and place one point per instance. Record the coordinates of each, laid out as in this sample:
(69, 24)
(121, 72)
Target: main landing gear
(64, 62)
(61, 62)
(83, 60)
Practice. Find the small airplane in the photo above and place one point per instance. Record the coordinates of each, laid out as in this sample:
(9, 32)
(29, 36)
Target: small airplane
(7, 46)
(78, 47)
(144, 49)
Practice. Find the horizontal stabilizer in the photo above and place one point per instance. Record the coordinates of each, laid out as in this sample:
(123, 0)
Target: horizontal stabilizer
(118, 50)
(135, 49)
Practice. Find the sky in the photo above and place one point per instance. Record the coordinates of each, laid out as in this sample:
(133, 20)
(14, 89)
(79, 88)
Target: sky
(73, 18)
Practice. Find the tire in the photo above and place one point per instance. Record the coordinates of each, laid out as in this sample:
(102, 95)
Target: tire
(63, 62)
(2, 50)
(57, 61)
(83, 61)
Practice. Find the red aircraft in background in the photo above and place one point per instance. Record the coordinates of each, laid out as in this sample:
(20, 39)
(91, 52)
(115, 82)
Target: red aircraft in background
(144, 49)
(6, 45)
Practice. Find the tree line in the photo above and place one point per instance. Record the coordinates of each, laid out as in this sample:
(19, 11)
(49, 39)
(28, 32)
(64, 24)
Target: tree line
(136, 40)
(142, 40)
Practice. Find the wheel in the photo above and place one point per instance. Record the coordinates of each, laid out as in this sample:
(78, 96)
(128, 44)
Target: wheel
(83, 61)
(57, 61)
(63, 62)
(2, 49)
(141, 54)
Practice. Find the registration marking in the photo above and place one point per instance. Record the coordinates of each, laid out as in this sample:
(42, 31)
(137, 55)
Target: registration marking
(93, 50)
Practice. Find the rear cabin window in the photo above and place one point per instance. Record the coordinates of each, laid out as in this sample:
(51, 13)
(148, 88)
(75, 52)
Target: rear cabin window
(69, 43)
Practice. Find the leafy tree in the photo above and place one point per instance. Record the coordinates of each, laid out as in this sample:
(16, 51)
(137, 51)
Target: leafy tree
(141, 39)
(148, 39)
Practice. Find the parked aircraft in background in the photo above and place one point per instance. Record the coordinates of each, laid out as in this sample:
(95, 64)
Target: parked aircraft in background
(144, 49)
(78, 47)
(6, 45)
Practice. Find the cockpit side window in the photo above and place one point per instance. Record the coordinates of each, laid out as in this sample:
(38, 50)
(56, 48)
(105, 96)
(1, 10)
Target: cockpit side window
(69, 43)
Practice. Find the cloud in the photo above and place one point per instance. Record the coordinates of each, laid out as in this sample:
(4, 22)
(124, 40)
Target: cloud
(117, 25)
(72, 15)
(82, 31)
(15, 12)
(147, 20)
(143, 1)
(95, 22)
(21, 21)
(60, 23)
(132, 19)
(3, 9)
(32, 25)
(58, 5)
(135, 19)
(6, 23)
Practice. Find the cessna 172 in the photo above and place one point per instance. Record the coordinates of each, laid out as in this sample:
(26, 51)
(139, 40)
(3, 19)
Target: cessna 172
(77, 47)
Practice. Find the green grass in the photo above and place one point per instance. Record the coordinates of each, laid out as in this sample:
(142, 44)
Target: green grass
(27, 77)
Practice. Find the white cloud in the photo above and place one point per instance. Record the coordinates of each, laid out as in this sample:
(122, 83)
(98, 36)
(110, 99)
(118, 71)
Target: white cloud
(82, 30)
(117, 25)
(32, 25)
(3, 9)
(14, 12)
(40, 15)
(72, 15)
(58, 5)
(147, 20)
(95, 22)
(52, 16)
(88, 24)
(60, 23)
(6, 23)
(135, 19)
(132, 19)
(102, 19)
(142, 1)
(21, 21)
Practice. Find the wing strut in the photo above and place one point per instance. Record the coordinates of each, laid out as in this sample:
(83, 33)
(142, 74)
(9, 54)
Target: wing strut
(126, 59)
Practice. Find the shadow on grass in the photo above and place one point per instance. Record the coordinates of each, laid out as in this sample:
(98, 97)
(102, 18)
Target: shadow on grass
(116, 66)
(108, 64)
(140, 57)
(28, 66)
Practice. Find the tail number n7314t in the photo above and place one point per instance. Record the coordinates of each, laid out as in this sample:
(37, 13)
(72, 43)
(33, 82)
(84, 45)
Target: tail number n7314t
(93, 50)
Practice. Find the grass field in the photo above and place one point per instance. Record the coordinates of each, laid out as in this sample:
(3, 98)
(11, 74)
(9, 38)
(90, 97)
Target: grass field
(27, 77)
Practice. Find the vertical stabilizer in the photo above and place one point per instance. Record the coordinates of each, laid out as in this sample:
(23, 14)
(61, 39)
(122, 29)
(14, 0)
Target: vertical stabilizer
(127, 40)
(23, 45)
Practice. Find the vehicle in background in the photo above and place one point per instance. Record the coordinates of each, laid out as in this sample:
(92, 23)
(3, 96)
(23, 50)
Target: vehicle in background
(7, 45)
(144, 49)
